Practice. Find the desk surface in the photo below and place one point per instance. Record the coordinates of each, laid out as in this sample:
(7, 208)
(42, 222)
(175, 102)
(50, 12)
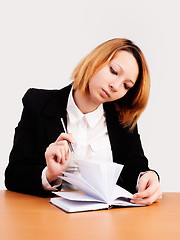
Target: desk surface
(29, 217)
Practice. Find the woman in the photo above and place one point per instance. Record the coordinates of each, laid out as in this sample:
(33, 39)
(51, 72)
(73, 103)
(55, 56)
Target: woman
(100, 108)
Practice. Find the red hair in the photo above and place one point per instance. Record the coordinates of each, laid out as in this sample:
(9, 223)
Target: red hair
(130, 107)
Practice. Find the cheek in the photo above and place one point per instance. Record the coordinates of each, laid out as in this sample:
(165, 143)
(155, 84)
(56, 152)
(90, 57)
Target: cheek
(100, 76)
(96, 80)
(120, 94)
(93, 82)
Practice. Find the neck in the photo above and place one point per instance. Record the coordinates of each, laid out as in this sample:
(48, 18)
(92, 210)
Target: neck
(84, 103)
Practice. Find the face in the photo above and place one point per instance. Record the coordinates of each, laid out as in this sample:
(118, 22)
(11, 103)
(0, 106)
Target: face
(114, 80)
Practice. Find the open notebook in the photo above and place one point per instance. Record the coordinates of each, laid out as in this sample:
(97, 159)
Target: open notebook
(98, 184)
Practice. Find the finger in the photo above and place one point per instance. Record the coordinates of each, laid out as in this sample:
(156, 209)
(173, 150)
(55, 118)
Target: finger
(57, 151)
(64, 144)
(63, 154)
(147, 192)
(53, 156)
(145, 180)
(66, 136)
(143, 184)
(57, 155)
(149, 200)
(159, 198)
(51, 152)
(147, 185)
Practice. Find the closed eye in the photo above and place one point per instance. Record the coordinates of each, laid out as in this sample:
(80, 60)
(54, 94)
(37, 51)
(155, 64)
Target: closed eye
(113, 71)
(126, 86)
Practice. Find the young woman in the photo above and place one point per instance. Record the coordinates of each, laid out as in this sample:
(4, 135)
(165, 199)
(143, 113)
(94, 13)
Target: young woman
(110, 90)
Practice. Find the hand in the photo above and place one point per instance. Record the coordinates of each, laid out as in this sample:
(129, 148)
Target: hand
(149, 190)
(58, 156)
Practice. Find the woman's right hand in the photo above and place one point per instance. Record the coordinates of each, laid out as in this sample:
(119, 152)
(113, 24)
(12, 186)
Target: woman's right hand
(58, 156)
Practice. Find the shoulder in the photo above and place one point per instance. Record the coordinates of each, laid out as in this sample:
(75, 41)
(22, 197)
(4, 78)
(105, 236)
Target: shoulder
(38, 98)
(113, 121)
(34, 94)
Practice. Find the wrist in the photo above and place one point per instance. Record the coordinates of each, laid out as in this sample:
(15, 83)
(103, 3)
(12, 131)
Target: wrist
(51, 176)
(152, 172)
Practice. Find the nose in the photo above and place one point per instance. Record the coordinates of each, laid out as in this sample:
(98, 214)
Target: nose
(114, 86)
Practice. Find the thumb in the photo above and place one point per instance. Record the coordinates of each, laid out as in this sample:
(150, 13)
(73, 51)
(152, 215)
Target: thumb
(143, 182)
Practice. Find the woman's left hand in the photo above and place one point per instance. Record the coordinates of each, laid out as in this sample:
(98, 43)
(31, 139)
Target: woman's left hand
(149, 189)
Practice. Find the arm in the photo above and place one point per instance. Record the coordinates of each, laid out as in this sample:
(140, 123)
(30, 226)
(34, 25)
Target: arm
(23, 173)
(27, 158)
(131, 155)
(136, 163)
(127, 150)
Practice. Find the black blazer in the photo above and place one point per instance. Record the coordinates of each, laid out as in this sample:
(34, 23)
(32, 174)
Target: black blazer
(40, 125)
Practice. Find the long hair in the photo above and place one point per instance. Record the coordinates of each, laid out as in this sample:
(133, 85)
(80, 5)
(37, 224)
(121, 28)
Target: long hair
(129, 107)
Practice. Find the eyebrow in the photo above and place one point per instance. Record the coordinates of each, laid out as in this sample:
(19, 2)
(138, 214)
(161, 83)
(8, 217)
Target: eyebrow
(131, 81)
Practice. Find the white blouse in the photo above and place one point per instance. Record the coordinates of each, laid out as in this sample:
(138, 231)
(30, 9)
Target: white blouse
(91, 140)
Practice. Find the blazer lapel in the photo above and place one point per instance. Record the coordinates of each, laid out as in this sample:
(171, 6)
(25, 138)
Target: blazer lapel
(55, 110)
(113, 126)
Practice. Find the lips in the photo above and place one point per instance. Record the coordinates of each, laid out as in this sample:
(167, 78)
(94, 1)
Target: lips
(105, 93)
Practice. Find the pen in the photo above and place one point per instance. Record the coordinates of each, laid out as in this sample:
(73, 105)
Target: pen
(65, 130)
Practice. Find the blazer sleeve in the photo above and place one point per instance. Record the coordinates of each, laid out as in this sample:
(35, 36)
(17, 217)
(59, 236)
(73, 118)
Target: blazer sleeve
(23, 173)
(133, 159)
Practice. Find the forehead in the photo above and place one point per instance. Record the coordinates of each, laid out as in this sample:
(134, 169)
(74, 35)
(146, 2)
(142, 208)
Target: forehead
(127, 62)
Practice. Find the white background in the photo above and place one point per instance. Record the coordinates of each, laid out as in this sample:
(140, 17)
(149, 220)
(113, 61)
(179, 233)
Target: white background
(42, 41)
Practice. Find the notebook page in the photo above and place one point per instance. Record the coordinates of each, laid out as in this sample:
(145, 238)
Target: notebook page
(76, 196)
(96, 173)
(120, 192)
(102, 175)
(114, 171)
(82, 184)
